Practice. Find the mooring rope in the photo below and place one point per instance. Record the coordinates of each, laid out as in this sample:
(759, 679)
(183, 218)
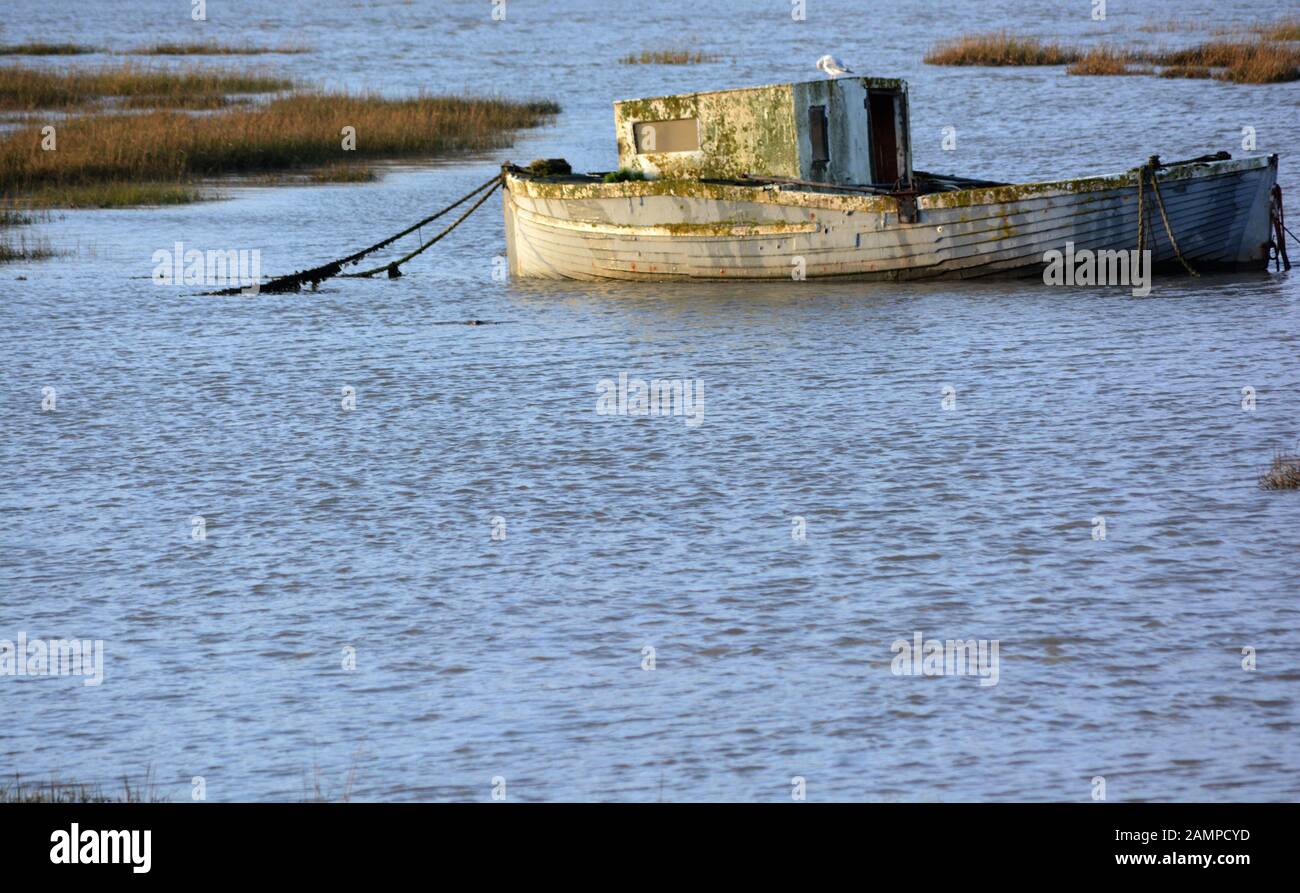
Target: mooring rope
(317, 275)
(392, 268)
(1277, 241)
(1142, 209)
(1160, 204)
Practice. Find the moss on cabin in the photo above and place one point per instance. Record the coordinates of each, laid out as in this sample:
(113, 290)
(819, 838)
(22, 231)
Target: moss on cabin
(691, 187)
(741, 132)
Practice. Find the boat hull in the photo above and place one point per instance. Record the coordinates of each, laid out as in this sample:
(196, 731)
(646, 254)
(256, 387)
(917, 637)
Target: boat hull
(1218, 212)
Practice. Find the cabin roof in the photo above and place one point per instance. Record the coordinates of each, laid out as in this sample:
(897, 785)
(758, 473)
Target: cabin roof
(868, 82)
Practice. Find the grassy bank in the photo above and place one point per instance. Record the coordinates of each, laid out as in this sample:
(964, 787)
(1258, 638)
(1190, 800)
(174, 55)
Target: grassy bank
(999, 48)
(213, 49)
(1284, 29)
(210, 48)
(47, 49)
(29, 89)
(1262, 54)
(16, 246)
(1104, 61)
(53, 791)
(1283, 474)
(668, 57)
(115, 160)
(1241, 62)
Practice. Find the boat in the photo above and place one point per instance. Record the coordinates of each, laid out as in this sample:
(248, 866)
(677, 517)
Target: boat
(814, 180)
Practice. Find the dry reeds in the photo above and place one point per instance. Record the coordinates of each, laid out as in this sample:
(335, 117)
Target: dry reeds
(999, 48)
(668, 57)
(54, 791)
(1266, 59)
(29, 89)
(47, 49)
(1104, 61)
(210, 48)
(213, 49)
(103, 158)
(19, 247)
(1283, 474)
(1238, 61)
(343, 173)
(1186, 71)
(1283, 29)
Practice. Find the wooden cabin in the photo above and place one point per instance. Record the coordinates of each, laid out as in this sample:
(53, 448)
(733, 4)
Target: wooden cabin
(851, 130)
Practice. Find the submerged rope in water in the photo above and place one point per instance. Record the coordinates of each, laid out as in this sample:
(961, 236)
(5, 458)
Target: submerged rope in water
(317, 275)
(392, 268)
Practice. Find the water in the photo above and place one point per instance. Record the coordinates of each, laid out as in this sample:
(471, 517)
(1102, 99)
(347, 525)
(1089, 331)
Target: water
(522, 658)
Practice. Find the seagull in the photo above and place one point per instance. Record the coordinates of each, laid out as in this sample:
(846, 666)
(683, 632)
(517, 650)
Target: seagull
(832, 66)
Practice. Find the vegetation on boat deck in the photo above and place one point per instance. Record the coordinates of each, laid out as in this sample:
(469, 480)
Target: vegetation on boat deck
(668, 57)
(112, 160)
(1262, 54)
(999, 48)
(1283, 474)
(134, 85)
(549, 167)
(47, 49)
(622, 175)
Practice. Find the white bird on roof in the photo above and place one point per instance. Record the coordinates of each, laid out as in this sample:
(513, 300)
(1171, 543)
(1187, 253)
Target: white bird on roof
(832, 66)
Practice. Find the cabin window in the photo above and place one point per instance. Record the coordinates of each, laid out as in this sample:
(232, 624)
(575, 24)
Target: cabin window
(673, 135)
(817, 132)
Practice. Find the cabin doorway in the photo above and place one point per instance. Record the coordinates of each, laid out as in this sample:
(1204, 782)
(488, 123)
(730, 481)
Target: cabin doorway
(883, 120)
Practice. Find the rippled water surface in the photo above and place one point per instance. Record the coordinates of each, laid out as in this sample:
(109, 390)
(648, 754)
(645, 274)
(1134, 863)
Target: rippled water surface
(522, 658)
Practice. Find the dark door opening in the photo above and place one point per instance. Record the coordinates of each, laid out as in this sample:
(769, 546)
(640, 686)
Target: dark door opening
(883, 121)
(818, 135)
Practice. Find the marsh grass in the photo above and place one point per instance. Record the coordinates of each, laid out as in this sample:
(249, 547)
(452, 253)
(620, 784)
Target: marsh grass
(668, 57)
(213, 48)
(29, 89)
(314, 792)
(54, 791)
(1283, 29)
(47, 49)
(1186, 71)
(343, 173)
(1240, 60)
(19, 247)
(118, 160)
(1237, 61)
(1000, 48)
(109, 194)
(1283, 474)
(1104, 61)
(16, 248)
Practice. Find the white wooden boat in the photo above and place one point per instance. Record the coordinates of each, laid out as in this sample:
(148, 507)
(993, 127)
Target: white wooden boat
(815, 180)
